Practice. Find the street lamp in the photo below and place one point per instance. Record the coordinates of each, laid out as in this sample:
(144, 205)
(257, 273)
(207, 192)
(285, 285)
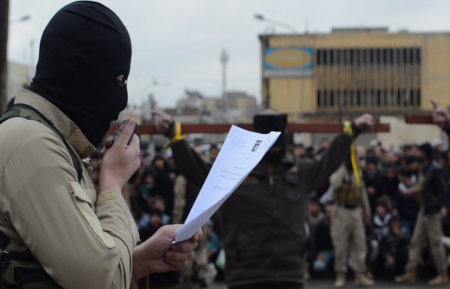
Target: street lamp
(21, 19)
(261, 17)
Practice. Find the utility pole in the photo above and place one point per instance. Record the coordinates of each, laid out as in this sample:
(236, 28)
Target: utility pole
(4, 16)
(224, 59)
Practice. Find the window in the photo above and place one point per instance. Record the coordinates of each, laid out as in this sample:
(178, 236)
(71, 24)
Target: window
(368, 77)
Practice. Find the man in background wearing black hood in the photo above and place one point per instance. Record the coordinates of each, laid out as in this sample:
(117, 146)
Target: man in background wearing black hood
(263, 221)
(56, 230)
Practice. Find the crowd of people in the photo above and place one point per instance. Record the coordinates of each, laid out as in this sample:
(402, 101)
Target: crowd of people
(392, 179)
(158, 194)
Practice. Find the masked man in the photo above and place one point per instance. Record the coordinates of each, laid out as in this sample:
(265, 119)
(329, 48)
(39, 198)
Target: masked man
(56, 231)
(263, 220)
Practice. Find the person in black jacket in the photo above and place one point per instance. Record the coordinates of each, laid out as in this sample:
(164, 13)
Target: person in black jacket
(373, 179)
(433, 189)
(164, 180)
(321, 245)
(391, 181)
(263, 220)
(395, 246)
(153, 226)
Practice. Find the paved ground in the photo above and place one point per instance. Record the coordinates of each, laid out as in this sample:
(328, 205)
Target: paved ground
(379, 285)
(316, 284)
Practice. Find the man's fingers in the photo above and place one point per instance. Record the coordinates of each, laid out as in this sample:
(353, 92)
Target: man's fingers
(109, 143)
(163, 116)
(197, 235)
(175, 256)
(157, 112)
(166, 120)
(434, 103)
(126, 133)
(177, 264)
(185, 246)
(134, 141)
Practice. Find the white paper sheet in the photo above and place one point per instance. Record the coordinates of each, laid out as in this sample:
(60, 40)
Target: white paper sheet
(239, 155)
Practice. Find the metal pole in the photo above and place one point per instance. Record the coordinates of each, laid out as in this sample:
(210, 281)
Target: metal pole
(276, 23)
(4, 15)
(224, 60)
(302, 97)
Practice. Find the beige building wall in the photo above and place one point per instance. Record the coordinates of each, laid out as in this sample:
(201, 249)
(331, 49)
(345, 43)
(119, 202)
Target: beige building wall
(402, 133)
(298, 96)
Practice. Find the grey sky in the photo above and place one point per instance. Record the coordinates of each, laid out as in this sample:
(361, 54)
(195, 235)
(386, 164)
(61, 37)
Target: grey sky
(179, 42)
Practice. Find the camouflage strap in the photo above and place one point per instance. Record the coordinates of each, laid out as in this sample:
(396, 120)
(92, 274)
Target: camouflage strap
(29, 112)
(24, 272)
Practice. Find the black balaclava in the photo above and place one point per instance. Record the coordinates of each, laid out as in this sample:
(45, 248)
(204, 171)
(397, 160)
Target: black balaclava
(83, 50)
(268, 123)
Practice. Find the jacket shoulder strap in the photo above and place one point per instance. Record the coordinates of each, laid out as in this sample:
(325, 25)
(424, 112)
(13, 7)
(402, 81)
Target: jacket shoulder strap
(29, 112)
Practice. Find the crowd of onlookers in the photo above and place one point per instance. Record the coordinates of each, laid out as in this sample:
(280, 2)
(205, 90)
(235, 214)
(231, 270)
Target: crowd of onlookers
(389, 176)
(158, 195)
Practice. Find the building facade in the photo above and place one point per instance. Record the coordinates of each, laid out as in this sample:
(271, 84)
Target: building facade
(232, 107)
(336, 76)
(19, 76)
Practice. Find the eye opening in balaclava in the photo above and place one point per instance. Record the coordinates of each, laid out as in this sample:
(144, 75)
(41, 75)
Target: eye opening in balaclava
(122, 80)
(271, 120)
(84, 49)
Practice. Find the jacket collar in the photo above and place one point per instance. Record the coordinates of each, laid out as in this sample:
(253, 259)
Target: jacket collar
(65, 126)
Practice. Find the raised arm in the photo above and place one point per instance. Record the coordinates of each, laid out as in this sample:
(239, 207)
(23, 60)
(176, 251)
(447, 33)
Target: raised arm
(188, 162)
(318, 172)
(337, 178)
(441, 117)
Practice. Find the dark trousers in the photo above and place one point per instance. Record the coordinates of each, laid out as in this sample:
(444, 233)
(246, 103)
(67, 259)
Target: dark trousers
(271, 285)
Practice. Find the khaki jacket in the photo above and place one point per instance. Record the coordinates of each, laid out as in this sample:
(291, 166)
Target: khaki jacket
(83, 240)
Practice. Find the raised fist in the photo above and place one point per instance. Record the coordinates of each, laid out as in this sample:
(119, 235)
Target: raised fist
(364, 123)
(164, 121)
(441, 117)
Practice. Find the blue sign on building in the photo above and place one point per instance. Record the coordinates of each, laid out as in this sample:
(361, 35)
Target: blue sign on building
(288, 62)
